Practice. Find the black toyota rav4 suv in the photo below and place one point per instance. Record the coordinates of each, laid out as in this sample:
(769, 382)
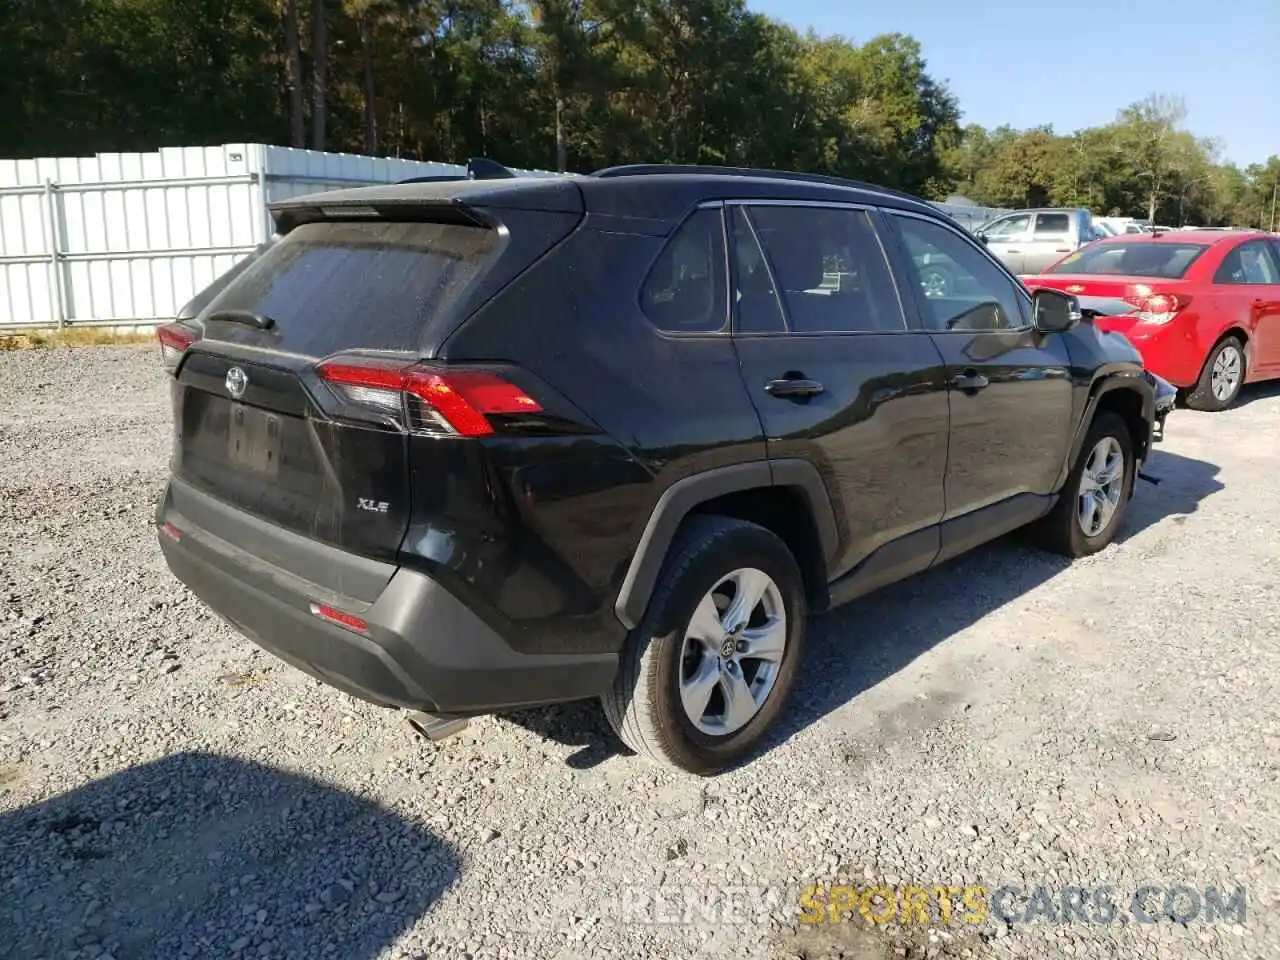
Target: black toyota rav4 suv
(466, 446)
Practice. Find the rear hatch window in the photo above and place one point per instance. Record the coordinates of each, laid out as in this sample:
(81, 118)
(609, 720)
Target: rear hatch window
(249, 430)
(1136, 258)
(334, 286)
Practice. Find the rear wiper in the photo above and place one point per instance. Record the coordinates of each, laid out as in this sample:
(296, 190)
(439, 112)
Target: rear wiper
(247, 317)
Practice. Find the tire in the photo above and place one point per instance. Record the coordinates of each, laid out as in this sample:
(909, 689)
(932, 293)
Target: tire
(1063, 530)
(645, 706)
(1203, 396)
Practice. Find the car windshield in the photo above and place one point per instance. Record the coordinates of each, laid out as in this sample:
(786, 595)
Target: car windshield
(1133, 258)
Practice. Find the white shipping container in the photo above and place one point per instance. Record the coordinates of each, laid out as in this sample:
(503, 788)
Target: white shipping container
(130, 237)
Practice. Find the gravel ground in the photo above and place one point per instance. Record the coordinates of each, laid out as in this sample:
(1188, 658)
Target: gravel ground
(166, 790)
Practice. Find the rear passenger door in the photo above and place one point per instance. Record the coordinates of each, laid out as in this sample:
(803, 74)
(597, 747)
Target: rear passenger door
(836, 376)
(1052, 238)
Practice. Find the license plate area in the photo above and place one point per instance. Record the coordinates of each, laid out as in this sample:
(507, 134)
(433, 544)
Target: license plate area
(253, 439)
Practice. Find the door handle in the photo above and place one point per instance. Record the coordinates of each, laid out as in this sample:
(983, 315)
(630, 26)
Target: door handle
(793, 387)
(1062, 250)
(971, 381)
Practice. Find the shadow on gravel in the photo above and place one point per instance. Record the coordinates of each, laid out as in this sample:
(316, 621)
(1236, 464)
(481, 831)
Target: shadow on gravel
(197, 855)
(856, 646)
(1184, 482)
(578, 724)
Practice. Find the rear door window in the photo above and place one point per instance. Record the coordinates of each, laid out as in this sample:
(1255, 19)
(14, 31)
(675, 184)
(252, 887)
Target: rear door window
(335, 286)
(1249, 263)
(1052, 224)
(828, 268)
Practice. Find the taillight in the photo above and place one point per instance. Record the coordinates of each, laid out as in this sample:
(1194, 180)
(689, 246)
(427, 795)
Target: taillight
(457, 403)
(1158, 308)
(174, 339)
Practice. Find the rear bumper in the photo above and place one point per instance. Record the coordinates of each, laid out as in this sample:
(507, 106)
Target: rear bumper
(1168, 350)
(423, 648)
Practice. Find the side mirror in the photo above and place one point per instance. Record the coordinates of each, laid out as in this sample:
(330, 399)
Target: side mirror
(1053, 311)
(982, 237)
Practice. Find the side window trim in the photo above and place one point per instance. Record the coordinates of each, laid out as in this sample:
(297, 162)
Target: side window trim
(742, 209)
(725, 286)
(910, 318)
(726, 329)
(899, 268)
(1021, 295)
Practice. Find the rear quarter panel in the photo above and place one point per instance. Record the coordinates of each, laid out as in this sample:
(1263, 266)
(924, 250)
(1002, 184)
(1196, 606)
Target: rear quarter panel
(1214, 313)
(665, 407)
(1215, 310)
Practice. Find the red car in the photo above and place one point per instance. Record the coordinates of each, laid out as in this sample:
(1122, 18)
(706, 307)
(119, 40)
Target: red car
(1201, 306)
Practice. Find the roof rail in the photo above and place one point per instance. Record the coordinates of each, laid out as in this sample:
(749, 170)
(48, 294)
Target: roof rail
(653, 169)
(478, 168)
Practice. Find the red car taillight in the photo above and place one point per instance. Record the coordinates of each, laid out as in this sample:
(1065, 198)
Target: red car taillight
(421, 400)
(1159, 308)
(174, 339)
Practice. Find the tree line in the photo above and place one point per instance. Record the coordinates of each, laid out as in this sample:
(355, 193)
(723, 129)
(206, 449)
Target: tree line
(574, 85)
(1144, 164)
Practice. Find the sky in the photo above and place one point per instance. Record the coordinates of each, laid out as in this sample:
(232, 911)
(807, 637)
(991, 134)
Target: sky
(1074, 63)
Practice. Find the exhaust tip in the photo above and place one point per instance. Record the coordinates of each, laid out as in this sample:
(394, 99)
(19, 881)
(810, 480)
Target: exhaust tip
(436, 726)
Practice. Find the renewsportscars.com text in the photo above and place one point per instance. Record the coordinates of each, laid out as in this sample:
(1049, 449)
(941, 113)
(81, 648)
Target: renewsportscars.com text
(934, 904)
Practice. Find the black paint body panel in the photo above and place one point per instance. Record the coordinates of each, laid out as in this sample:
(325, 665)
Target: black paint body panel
(551, 541)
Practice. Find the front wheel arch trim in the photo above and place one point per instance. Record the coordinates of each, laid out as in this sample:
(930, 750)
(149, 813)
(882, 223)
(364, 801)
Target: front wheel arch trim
(1103, 386)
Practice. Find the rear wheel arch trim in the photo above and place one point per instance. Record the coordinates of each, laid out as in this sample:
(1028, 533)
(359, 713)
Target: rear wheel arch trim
(683, 496)
(1246, 345)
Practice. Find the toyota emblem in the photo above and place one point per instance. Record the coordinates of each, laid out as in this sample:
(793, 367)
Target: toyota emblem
(236, 382)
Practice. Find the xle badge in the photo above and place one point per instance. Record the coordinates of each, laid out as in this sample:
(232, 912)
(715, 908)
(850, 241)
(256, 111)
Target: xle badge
(373, 506)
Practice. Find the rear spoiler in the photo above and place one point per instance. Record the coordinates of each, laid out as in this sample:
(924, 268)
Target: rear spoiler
(478, 168)
(464, 200)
